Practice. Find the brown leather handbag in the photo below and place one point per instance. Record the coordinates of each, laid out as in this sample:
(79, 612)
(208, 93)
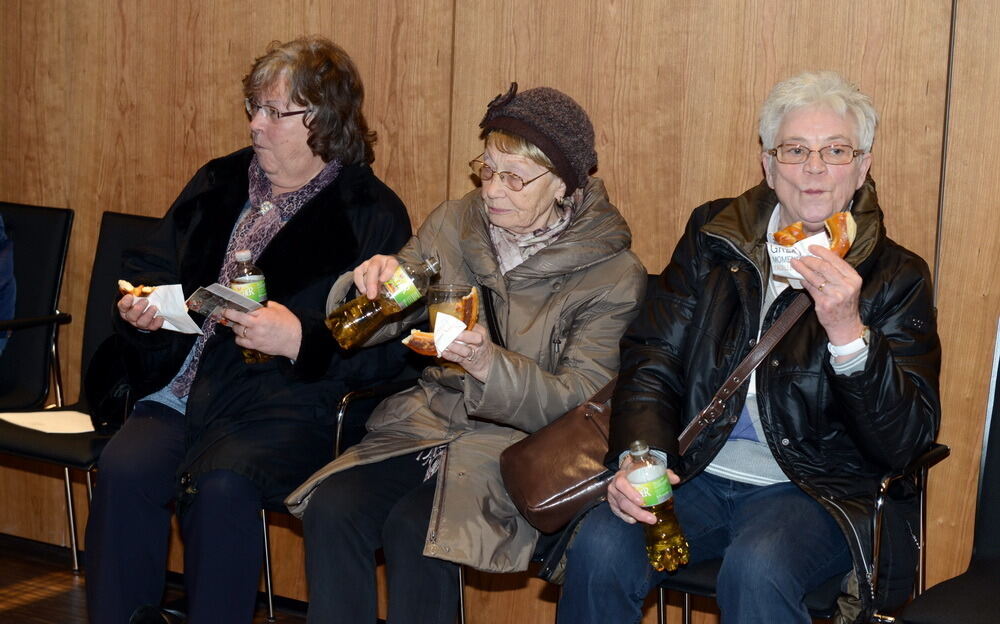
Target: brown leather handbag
(558, 471)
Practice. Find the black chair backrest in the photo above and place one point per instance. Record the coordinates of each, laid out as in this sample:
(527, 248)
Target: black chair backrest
(119, 231)
(40, 238)
(987, 539)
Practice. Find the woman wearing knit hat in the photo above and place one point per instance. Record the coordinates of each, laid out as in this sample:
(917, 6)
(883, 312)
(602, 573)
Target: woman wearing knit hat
(551, 254)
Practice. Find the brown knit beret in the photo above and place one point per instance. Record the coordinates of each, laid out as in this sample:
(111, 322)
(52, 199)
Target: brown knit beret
(553, 122)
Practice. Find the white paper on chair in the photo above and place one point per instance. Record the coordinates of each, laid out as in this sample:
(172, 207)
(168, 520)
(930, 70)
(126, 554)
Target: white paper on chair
(51, 421)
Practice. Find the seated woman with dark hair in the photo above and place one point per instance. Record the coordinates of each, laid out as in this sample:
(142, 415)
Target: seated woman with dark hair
(216, 437)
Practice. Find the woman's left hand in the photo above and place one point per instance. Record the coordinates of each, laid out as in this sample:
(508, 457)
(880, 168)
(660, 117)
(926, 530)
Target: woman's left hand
(835, 288)
(273, 329)
(472, 350)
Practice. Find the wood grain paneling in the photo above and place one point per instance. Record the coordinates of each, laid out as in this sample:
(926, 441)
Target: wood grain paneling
(968, 294)
(673, 90)
(113, 104)
(34, 75)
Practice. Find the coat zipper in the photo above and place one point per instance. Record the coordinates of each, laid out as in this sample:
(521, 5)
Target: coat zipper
(439, 497)
(843, 512)
(857, 538)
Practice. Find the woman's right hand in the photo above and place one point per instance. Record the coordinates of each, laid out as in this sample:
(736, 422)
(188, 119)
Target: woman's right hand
(625, 500)
(370, 274)
(137, 312)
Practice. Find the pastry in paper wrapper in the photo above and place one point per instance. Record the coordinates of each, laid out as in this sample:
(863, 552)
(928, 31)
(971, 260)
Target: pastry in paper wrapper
(426, 343)
(169, 302)
(792, 242)
(781, 256)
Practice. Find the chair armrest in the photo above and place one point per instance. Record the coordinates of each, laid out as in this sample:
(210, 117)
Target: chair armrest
(370, 395)
(918, 468)
(59, 318)
(934, 455)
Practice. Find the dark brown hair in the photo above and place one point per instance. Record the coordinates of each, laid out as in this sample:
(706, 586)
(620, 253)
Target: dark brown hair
(318, 74)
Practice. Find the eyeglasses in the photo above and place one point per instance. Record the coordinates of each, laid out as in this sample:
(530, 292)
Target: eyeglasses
(795, 154)
(270, 113)
(511, 180)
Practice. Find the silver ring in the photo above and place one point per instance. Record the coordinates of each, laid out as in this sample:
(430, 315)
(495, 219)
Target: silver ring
(244, 331)
(472, 355)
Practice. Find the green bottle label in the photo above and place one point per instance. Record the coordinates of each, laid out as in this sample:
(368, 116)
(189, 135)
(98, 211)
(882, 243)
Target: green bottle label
(652, 484)
(251, 290)
(401, 289)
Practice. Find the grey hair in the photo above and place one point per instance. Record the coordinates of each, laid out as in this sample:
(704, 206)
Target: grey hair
(823, 88)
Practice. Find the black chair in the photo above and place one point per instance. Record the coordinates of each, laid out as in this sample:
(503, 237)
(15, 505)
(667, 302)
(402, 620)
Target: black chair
(40, 239)
(700, 579)
(81, 450)
(968, 598)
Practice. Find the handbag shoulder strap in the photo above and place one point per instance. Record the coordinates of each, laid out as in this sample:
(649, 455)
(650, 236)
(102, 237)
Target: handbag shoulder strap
(767, 342)
(604, 394)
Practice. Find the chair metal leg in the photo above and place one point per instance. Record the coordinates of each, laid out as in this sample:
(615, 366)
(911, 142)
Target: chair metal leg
(687, 608)
(661, 606)
(71, 514)
(90, 488)
(56, 372)
(921, 583)
(269, 590)
(461, 594)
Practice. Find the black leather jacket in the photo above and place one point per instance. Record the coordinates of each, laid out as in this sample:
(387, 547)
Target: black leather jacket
(834, 436)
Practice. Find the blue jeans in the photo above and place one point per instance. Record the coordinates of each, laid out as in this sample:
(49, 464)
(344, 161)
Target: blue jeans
(776, 544)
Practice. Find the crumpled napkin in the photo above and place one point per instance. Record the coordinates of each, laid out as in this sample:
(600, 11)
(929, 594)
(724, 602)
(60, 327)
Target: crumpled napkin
(781, 256)
(446, 330)
(169, 302)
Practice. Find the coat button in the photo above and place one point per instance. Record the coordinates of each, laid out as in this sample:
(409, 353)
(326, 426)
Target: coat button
(785, 442)
(752, 342)
(774, 362)
(186, 479)
(734, 268)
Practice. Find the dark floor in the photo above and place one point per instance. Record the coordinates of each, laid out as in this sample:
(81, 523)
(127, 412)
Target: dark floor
(37, 586)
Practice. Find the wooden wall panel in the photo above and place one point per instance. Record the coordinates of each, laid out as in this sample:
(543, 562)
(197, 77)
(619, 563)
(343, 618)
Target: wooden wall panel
(34, 74)
(968, 295)
(674, 93)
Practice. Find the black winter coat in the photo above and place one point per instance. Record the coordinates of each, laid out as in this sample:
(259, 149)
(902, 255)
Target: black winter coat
(272, 421)
(834, 436)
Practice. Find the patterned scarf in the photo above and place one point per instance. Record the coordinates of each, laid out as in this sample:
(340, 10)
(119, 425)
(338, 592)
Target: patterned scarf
(267, 215)
(513, 249)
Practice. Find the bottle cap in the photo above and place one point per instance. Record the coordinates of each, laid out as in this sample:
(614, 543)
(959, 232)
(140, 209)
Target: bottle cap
(243, 255)
(638, 448)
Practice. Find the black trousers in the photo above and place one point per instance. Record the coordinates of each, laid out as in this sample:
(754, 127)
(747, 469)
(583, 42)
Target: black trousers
(129, 525)
(350, 516)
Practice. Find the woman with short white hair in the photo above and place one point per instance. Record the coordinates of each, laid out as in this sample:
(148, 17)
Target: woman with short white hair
(781, 486)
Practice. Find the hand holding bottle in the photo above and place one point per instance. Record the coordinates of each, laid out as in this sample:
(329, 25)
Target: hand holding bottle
(625, 500)
(273, 329)
(370, 274)
(388, 287)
